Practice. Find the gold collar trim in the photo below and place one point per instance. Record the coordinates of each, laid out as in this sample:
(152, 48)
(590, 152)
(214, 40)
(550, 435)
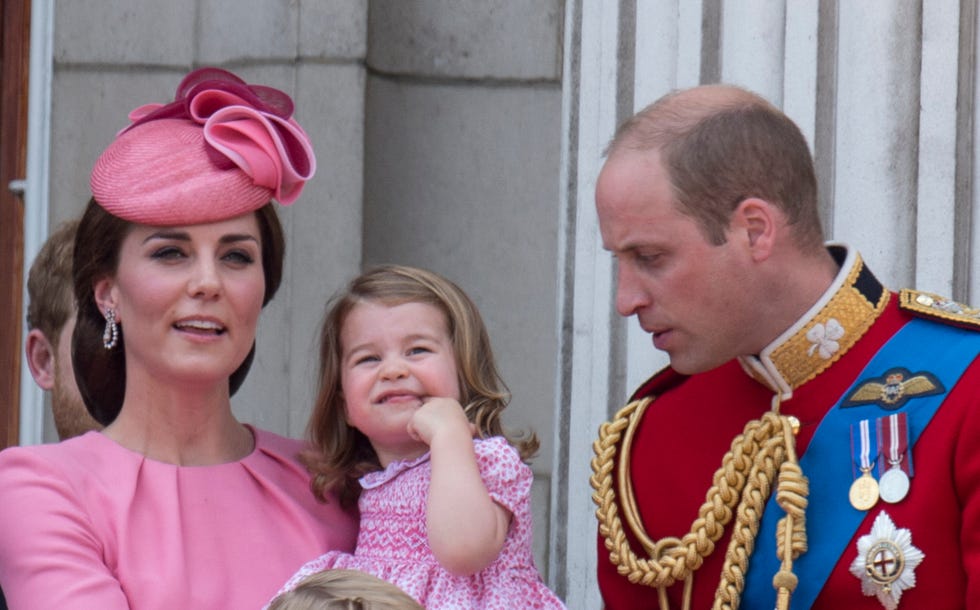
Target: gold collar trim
(826, 332)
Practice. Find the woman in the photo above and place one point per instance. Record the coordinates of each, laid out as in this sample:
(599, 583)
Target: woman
(175, 504)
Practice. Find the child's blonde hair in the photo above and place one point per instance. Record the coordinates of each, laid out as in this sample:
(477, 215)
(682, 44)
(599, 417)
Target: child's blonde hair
(344, 590)
(341, 454)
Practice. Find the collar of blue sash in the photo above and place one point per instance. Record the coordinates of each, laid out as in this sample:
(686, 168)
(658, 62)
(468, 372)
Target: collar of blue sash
(830, 519)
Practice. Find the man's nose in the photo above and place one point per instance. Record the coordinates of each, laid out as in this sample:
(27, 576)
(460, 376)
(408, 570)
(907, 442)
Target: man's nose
(631, 295)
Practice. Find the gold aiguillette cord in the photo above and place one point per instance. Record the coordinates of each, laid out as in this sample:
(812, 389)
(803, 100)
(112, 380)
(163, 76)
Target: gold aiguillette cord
(764, 451)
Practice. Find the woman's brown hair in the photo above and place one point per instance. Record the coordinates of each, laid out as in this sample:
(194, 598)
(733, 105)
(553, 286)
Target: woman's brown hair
(101, 373)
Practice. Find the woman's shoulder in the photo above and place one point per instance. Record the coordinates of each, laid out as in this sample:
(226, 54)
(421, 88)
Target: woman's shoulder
(277, 455)
(276, 463)
(69, 455)
(271, 441)
(276, 446)
(53, 477)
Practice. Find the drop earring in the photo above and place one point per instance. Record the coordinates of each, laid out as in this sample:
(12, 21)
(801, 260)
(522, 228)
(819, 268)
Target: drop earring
(111, 335)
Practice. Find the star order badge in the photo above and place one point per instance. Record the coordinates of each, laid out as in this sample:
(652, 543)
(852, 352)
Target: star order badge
(886, 561)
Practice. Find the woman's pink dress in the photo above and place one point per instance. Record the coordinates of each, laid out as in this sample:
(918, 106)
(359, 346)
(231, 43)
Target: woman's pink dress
(393, 542)
(89, 524)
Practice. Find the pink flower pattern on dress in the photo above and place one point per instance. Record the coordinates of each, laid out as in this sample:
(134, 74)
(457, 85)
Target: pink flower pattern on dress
(393, 543)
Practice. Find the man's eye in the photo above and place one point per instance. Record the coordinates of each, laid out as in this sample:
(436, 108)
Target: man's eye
(648, 259)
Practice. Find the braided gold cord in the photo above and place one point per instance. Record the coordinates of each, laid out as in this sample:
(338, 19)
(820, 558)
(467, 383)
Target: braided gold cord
(766, 461)
(791, 495)
(740, 486)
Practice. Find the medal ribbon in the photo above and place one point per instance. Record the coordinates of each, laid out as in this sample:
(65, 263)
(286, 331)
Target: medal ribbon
(894, 432)
(863, 447)
(831, 521)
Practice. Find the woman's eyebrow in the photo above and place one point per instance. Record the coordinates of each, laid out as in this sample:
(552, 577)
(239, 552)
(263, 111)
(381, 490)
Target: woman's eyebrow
(184, 236)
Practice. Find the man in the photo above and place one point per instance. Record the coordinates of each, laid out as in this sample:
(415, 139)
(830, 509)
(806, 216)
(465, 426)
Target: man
(50, 322)
(780, 348)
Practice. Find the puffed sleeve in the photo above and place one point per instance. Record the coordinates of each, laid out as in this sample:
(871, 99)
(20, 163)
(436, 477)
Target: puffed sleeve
(50, 557)
(506, 477)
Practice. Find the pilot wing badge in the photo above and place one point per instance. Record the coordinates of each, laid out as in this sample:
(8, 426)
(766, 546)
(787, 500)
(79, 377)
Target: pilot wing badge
(893, 389)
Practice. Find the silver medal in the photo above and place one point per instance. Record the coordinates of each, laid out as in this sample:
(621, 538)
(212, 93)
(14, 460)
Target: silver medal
(894, 485)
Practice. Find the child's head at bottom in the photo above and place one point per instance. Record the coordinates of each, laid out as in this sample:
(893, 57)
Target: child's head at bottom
(344, 590)
(480, 391)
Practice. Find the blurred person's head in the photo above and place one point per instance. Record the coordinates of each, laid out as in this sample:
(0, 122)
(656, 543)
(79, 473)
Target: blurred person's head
(344, 590)
(50, 322)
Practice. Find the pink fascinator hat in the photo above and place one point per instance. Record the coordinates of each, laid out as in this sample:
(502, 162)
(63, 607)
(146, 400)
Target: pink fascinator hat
(221, 149)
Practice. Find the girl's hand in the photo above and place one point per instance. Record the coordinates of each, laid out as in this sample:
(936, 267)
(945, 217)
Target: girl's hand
(439, 416)
(466, 527)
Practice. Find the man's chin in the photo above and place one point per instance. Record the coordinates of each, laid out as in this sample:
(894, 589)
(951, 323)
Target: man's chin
(687, 365)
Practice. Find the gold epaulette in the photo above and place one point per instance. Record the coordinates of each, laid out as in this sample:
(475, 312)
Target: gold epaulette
(933, 306)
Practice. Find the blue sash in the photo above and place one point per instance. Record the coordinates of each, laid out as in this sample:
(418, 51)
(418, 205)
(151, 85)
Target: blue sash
(946, 352)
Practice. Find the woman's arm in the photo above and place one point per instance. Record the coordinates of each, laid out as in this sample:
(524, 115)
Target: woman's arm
(466, 527)
(49, 555)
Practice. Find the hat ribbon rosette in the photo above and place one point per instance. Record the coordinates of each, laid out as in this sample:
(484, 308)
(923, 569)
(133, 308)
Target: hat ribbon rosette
(250, 125)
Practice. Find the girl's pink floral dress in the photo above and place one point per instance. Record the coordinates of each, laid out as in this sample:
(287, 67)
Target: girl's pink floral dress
(392, 543)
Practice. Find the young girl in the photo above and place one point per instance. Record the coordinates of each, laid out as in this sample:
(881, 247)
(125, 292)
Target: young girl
(407, 424)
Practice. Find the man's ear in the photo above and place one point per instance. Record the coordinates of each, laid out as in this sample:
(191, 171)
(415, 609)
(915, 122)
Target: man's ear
(40, 358)
(757, 219)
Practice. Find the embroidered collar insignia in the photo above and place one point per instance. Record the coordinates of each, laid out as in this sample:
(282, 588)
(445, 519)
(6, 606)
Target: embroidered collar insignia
(893, 389)
(835, 323)
(886, 561)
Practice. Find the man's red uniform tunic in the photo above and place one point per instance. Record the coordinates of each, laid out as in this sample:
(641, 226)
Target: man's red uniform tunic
(691, 423)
